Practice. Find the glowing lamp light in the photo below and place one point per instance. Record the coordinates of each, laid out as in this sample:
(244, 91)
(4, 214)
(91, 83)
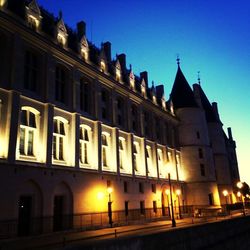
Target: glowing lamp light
(225, 192)
(239, 194)
(239, 184)
(178, 192)
(100, 195)
(167, 191)
(109, 190)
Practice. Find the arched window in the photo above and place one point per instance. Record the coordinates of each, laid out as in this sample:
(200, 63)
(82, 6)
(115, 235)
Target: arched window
(105, 149)
(85, 143)
(136, 156)
(28, 131)
(59, 138)
(122, 145)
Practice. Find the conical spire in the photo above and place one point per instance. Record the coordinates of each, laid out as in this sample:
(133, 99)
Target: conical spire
(182, 95)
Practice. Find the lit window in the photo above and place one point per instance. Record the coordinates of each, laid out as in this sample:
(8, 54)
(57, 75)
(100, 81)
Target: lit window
(62, 34)
(132, 80)
(33, 15)
(103, 66)
(85, 140)
(121, 152)
(160, 161)
(84, 48)
(59, 137)
(28, 133)
(105, 149)
(143, 88)
(136, 156)
(149, 159)
(118, 71)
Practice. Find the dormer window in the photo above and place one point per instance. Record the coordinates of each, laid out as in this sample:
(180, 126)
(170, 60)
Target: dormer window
(171, 107)
(103, 66)
(163, 102)
(118, 71)
(62, 35)
(33, 15)
(143, 88)
(132, 80)
(84, 48)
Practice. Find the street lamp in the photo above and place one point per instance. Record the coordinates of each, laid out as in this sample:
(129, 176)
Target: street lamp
(225, 193)
(171, 200)
(178, 193)
(240, 186)
(110, 190)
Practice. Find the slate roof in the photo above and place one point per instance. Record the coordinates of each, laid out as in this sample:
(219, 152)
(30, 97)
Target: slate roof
(182, 95)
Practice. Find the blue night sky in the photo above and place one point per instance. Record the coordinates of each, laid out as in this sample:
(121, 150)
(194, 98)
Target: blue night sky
(212, 37)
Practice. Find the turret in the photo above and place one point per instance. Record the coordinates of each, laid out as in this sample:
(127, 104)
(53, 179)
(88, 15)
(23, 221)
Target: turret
(196, 153)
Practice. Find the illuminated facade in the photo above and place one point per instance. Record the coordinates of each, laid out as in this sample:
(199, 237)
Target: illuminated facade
(74, 122)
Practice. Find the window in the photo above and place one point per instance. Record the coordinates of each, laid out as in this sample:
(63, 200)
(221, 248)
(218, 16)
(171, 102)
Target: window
(158, 129)
(141, 187)
(85, 137)
(60, 84)
(155, 207)
(30, 71)
(149, 159)
(211, 199)
(200, 153)
(103, 66)
(153, 187)
(105, 148)
(125, 186)
(126, 208)
(160, 161)
(105, 105)
(120, 112)
(59, 137)
(136, 156)
(198, 135)
(134, 118)
(202, 168)
(121, 152)
(85, 96)
(142, 207)
(28, 132)
(146, 124)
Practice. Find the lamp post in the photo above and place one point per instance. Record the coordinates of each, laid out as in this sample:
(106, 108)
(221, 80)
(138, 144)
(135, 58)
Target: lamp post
(240, 186)
(178, 193)
(110, 190)
(171, 200)
(225, 193)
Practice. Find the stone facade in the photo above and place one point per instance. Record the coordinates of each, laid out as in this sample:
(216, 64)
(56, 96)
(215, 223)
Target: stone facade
(74, 122)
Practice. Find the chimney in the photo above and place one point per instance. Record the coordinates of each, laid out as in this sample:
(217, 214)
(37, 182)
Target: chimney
(122, 60)
(229, 131)
(215, 109)
(196, 91)
(107, 50)
(159, 91)
(144, 75)
(81, 29)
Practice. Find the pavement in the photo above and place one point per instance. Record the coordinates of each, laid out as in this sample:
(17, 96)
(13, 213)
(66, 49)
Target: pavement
(67, 240)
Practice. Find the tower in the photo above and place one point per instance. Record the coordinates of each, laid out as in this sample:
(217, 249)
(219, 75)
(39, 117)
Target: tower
(196, 152)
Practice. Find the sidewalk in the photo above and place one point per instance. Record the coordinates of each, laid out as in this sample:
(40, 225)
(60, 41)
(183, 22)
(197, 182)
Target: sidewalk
(61, 239)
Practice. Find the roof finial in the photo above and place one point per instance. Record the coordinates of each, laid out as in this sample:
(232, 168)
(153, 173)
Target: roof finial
(199, 79)
(178, 60)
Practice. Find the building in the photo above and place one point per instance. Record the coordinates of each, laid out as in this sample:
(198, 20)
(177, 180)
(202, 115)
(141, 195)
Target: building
(77, 124)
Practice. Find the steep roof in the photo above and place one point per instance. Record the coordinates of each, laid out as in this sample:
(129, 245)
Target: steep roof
(209, 111)
(182, 95)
